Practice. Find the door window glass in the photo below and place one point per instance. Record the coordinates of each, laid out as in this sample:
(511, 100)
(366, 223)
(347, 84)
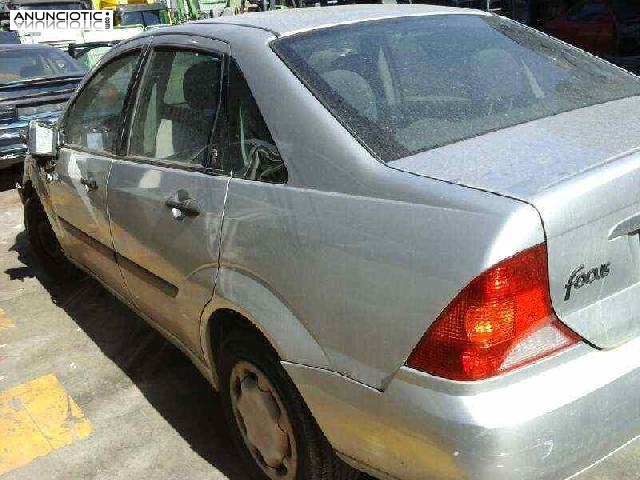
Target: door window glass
(177, 107)
(252, 153)
(95, 117)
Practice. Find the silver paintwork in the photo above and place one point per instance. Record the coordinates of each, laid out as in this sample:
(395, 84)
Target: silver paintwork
(586, 161)
(344, 268)
(567, 412)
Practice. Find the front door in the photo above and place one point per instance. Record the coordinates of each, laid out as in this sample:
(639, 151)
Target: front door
(78, 186)
(165, 205)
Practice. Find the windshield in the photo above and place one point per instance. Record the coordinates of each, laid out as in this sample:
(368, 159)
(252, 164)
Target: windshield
(407, 85)
(29, 63)
(146, 18)
(52, 6)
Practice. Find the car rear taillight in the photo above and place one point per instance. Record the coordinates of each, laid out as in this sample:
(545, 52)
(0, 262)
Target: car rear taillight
(500, 321)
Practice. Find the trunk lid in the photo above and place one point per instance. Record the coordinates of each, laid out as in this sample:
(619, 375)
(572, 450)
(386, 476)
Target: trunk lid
(581, 171)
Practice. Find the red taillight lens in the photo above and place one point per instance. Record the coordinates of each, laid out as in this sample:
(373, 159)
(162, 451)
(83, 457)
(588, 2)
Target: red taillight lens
(502, 320)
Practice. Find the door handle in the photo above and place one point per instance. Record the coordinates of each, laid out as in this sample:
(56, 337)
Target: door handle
(89, 183)
(188, 206)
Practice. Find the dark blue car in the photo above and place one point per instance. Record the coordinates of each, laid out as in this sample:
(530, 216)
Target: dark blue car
(35, 83)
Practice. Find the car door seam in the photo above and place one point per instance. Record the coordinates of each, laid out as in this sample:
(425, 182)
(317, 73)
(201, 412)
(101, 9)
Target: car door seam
(220, 233)
(113, 239)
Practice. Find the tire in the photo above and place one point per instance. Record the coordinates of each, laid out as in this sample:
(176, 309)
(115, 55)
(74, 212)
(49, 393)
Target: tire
(309, 452)
(44, 243)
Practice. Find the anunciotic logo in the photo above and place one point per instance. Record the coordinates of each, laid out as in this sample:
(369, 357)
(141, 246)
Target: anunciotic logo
(39, 20)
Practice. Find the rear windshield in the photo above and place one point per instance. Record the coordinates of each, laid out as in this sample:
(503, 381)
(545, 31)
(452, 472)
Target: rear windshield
(23, 64)
(407, 85)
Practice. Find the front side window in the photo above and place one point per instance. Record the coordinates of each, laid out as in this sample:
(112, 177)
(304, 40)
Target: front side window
(95, 117)
(177, 107)
(407, 85)
(252, 153)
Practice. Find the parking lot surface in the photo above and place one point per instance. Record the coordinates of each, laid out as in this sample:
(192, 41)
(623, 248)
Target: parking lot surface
(90, 391)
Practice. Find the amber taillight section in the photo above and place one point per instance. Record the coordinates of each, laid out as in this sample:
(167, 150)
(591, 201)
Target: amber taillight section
(502, 320)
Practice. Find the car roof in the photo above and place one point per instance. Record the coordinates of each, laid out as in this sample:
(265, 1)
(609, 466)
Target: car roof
(285, 22)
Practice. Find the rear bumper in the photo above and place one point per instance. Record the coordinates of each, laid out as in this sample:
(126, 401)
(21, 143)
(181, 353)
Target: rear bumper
(549, 421)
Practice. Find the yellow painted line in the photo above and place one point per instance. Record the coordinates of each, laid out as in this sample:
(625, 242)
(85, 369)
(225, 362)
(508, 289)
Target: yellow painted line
(5, 321)
(36, 418)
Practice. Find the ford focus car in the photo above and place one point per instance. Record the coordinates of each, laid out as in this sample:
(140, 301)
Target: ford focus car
(396, 239)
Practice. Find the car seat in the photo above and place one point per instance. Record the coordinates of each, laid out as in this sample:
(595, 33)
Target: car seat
(185, 130)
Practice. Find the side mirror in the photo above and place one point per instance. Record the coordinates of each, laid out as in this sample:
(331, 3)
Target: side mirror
(43, 139)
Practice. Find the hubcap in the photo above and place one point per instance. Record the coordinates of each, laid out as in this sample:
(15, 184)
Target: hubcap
(263, 422)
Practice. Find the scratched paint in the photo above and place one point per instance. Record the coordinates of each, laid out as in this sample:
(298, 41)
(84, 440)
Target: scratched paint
(37, 418)
(5, 321)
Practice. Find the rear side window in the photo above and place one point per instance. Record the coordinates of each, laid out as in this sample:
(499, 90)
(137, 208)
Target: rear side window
(95, 117)
(251, 154)
(177, 107)
(408, 85)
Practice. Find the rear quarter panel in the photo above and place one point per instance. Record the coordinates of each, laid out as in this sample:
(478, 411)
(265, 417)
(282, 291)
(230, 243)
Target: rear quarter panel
(364, 257)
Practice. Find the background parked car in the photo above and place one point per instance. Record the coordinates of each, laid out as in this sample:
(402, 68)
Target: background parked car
(9, 37)
(89, 54)
(35, 83)
(609, 28)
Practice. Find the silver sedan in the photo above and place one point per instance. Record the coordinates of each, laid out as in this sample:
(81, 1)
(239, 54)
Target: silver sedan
(397, 239)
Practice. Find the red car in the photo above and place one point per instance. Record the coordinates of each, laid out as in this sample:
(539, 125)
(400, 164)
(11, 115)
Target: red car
(610, 28)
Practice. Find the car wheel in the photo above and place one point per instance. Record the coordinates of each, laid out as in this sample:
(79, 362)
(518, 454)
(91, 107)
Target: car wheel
(44, 243)
(272, 428)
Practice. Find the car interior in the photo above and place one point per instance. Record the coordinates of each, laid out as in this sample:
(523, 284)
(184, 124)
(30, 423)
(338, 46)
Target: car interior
(177, 107)
(422, 90)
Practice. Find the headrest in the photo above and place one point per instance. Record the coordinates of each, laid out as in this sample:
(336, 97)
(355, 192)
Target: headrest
(354, 62)
(200, 85)
(354, 90)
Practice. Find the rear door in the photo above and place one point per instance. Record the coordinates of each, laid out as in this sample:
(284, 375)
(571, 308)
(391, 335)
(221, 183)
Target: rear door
(91, 129)
(164, 203)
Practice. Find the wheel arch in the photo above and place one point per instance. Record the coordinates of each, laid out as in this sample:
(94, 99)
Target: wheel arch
(241, 301)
